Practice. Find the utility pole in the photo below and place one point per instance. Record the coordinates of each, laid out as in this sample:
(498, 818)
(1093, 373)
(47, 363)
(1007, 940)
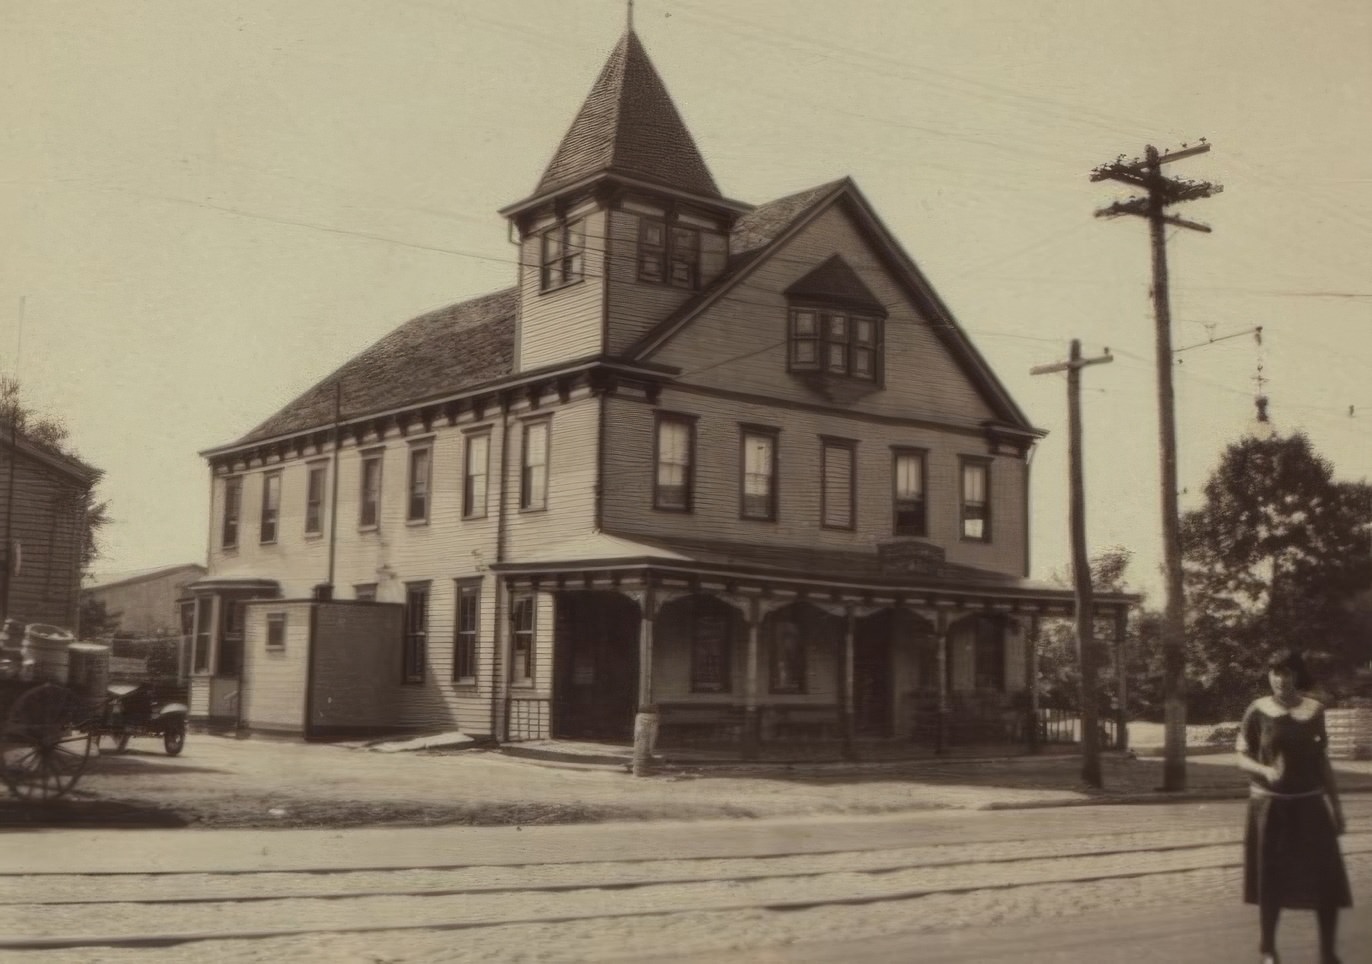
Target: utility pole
(1146, 173)
(1081, 566)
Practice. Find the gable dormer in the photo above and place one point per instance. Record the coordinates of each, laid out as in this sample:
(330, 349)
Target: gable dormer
(834, 326)
(625, 225)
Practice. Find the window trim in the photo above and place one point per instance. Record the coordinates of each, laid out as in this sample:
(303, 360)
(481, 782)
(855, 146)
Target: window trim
(321, 466)
(377, 455)
(569, 263)
(530, 634)
(234, 484)
(415, 649)
(469, 507)
(922, 455)
(822, 312)
(464, 590)
(425, 445)
(526, 503)
(667, 253)
(774, 501)
(270, 514)
(688, 496)
(365, 591)
(826, 442)
(726, 655)
(276, 620)
(964, 461)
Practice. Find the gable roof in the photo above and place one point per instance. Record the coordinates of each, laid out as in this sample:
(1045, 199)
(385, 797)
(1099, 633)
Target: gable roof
(443, 351)
(835, 280)
(629, 125)
(111, 580)
(53, 456)
(763, 231)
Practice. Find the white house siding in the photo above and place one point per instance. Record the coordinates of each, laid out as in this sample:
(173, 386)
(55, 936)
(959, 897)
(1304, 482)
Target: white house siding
(274, 681)
(630, 468)
(565, 322)
(739, 342)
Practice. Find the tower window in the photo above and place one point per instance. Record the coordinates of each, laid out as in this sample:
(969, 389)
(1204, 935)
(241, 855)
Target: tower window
(562, 255)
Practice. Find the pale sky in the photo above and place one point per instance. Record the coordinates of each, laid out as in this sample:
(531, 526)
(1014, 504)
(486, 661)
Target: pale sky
(209, 206)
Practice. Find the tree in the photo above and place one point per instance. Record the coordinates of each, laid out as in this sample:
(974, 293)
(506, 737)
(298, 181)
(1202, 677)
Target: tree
(1275, 557)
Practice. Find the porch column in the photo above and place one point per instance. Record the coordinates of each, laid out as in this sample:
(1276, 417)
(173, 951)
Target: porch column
(501, 663)
(646, 720)
(1122, 675)
(1031, 674)
(846, 686)
(944, 708)
(752, 722)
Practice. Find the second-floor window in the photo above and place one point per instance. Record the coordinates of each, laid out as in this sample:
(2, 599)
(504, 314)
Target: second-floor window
(421, 468)
(758, 471)
(533, 475)
(837, 484)
(835, 342)
(464, 641)
(314, 500)
(233, 505)
(976, 503)
(668, 253)
(475, 468)
(416, 630)
(562, 255)
(675, 455)
(271, 506)
(369, 514)
(907, 494)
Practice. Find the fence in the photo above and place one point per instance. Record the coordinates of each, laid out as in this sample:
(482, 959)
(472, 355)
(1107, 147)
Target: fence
(1064, 726)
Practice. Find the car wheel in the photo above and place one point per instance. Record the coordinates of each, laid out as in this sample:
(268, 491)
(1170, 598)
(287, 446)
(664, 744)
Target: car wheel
(174, 739)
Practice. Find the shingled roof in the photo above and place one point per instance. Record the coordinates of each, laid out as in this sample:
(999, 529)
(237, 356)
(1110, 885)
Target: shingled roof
(628, 125)
(441, 352)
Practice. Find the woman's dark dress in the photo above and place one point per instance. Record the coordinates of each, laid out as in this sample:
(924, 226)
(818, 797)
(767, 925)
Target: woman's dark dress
(1291, 849)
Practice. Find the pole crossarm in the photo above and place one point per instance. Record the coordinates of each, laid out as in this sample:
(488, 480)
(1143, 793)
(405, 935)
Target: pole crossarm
(1120, 169)
(1072, 364)
(1138, 206)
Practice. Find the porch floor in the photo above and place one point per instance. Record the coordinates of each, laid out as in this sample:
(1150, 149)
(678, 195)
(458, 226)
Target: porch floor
(817, 751)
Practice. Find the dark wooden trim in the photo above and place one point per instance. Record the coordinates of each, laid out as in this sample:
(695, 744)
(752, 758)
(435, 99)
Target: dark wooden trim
(827, 442)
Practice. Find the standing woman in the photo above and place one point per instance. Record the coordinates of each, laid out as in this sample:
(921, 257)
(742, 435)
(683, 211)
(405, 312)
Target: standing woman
(1291, 847)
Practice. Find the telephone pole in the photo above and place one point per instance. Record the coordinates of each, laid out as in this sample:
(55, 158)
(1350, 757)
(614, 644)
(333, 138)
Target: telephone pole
(1160, 192)
(1081, 566)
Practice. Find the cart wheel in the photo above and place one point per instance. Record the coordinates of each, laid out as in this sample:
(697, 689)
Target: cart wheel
(174, 739)
(41, 753)
(121, 742)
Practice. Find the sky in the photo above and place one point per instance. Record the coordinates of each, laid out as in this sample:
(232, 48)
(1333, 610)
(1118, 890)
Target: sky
(208, 207)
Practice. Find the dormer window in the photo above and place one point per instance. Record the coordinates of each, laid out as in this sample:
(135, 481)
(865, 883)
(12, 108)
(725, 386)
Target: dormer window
(835, 324)
(668, 254)
(563, 254)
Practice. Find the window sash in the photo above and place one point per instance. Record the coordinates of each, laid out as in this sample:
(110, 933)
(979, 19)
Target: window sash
(976, 519)
(204, 629)
(674, 463)
(908, 503)
(271, 506)
(276, 631)
(562, 255)
(421, 467)
(533, 481)
(759, 476)
(711, 652)
(835, 342)
(838, 486)
(416, 631)
(522, 648)
(365, 592)
(233, 504)
(465, 634)
(475, 470)
(314, 500)
(787, 662)
(371, 491)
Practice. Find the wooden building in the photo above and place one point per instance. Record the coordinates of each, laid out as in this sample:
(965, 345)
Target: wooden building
(148, 602)
(736, 462)
(43, 499)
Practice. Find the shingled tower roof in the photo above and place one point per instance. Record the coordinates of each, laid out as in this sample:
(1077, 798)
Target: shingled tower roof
(629, 126)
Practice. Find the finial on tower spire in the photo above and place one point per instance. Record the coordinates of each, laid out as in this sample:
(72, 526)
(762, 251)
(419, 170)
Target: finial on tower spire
(631, 14)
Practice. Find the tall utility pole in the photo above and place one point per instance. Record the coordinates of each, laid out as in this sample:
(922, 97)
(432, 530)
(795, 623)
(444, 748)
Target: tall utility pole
(1081, 566)
(1146, 173)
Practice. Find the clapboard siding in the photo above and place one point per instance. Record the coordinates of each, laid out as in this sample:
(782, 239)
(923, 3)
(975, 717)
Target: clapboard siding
(630, 464)
(572, 479)
(739, 342)
(566, 322)
(47, 524)
(272, 697)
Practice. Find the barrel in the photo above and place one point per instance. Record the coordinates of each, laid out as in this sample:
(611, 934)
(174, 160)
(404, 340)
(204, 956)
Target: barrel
(88, 672)
(46, 647)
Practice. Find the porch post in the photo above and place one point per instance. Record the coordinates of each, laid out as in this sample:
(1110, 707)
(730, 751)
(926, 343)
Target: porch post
(846, 689)
(501, 663)
(752, 723)
(941, 631)
(1031, 672)
(1122, 675)
(646, 720)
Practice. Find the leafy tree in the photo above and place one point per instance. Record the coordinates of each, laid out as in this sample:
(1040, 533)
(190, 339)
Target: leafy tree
(1275, 557)
(97, 622)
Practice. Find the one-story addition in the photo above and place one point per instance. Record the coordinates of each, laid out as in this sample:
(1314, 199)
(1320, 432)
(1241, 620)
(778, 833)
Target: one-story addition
(736, 462)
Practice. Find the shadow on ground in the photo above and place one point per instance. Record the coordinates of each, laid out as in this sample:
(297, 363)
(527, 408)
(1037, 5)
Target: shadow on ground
(68, 813)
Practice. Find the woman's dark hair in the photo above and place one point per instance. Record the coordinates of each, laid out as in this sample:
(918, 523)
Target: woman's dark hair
(1292, 661)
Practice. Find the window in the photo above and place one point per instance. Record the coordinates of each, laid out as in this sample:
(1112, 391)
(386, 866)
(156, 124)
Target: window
(675, 457)
(563, 255)
(907, 493)
(533, 476)
(837, 485)
(989, 655)
(464, 639)
(759, 464)
(204, 626)
(271, 505)
(711, 649)
(522, 646)
(314, 500)
(365, 592)
(233, 504)
(976, 507)
(421, 467)
(276, 632)
(416, 630)
(475, 467)
(836, 342)
(668, 254)
(370, 512)
(788, 658)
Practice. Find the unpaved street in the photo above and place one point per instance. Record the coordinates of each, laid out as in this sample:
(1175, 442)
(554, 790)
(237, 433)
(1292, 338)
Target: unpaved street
(878, 888)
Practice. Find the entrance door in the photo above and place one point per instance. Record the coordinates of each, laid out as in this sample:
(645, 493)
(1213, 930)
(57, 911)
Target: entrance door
(872, 677)
(595, 662)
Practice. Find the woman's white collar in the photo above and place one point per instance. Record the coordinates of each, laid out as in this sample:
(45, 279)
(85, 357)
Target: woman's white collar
(1302, 711)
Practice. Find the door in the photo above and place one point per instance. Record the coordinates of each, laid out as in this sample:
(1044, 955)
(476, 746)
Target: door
(872, 692)
(595, 662)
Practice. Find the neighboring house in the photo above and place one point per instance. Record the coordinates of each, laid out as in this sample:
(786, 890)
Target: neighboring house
(735, 462)
(149, 602)
(43, 498)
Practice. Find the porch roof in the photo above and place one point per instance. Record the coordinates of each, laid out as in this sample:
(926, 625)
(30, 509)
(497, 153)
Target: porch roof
(844, 572)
